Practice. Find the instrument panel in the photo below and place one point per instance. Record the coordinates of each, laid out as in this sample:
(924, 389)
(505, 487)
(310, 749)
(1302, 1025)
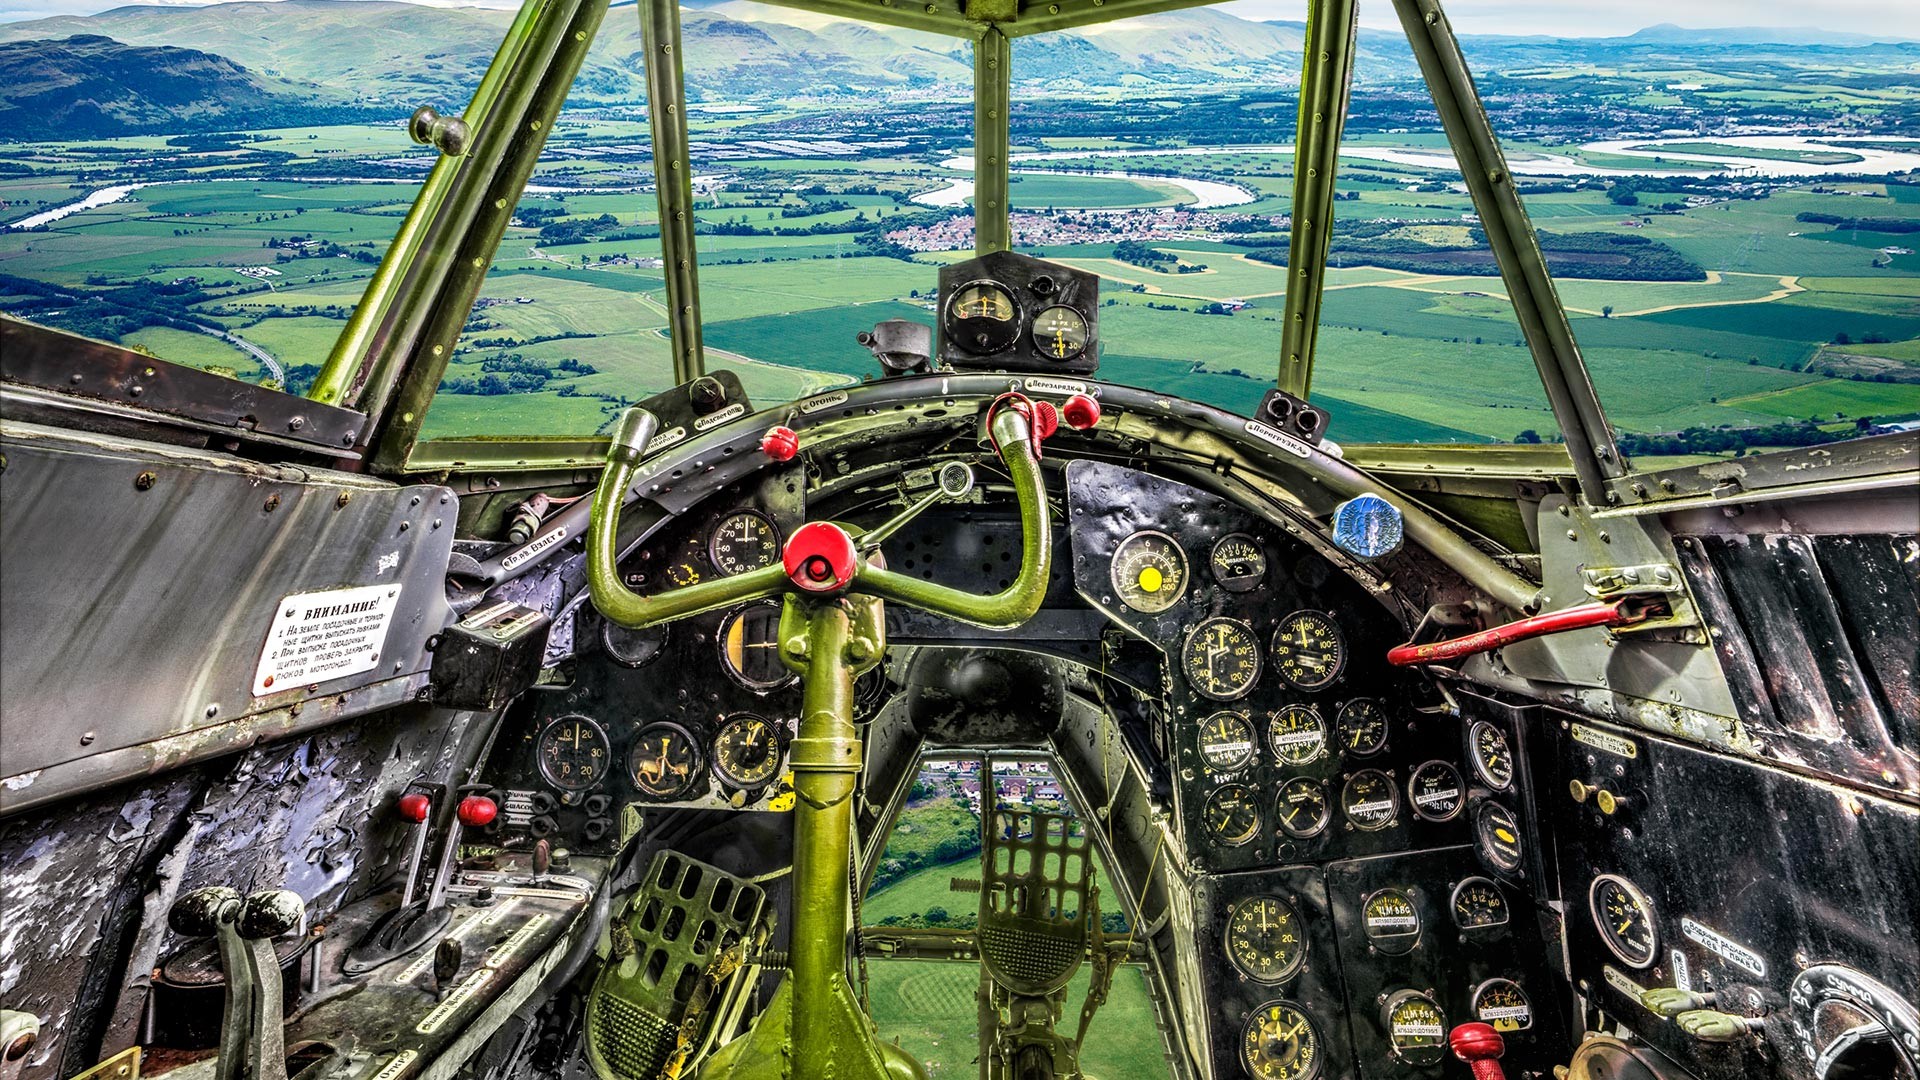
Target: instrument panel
(628, 726)
(1290, 738)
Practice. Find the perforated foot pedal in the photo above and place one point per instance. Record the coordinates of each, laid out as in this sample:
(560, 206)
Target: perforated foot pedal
(680, 935)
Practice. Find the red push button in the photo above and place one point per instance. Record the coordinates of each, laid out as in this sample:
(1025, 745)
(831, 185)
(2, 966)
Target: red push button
(1080, 412)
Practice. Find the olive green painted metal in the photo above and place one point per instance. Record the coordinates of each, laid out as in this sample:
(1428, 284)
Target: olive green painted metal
(1326, 78)
(1523, 269)
(399, 430)
(992, 101)
(667, 113)
(814, 1027)
(368, 340)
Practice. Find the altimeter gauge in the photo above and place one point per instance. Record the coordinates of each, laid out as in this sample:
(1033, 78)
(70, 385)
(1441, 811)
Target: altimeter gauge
(746, 752)
(1226, 742)
(1265, 939)
(982, 318)
(1624, 917)
(1231, 815)
(573, 753)
(664, 760)
(1059, 333)
(1149, 572)
(1280, 1043)
(1221, 659)
(1309, 650)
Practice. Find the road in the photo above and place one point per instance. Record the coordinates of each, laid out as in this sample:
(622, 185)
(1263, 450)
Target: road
(263, 357)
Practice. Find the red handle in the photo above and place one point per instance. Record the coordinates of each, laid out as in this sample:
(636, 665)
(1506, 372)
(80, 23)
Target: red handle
(1622, 612)
(1480, 1047)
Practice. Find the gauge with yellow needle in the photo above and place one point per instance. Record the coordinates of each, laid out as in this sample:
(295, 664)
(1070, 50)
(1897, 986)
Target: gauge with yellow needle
(664, 760)
(1149, 572)
(1060, 333)
(982, 317)
(1280, 1043)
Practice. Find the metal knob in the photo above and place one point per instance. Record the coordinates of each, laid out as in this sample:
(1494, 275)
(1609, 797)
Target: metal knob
(271, 914)
(199, 913)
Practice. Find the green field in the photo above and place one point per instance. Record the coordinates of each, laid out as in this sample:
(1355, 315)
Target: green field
(1796, 319)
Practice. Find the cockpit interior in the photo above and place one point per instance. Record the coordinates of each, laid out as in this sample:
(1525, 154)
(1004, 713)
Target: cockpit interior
(331, 753)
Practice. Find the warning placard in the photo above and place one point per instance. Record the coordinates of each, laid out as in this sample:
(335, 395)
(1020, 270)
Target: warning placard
(325, 635)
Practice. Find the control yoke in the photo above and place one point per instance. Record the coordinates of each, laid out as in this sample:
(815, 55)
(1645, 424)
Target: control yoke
(824, 559)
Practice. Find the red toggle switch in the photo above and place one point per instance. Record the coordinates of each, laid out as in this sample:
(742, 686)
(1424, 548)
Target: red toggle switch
(477, 811)
(414, 807)
(1080, 412)
(1480, 1047)
(820, 557)
(780, 443)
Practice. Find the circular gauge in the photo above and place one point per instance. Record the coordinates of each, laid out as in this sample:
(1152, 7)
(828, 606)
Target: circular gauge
(664, 761)
(1362, 728)
(1492, 758)
(1416, 1028)
(1221, 659)
(1298, 735)
(1060, 333)
(743, 540)
(746, 753)
(1478, 904)
(1624, 917)
(1436, 792)
(1391, 921)
(573, 753)
(1280, 1043)
(981, 317)
(633, 648)
(1309, 650)
(1303, 808)
(1230, 815)
(1226, 742)
(749, 641)
(1497, 835)
(1238, 563)
(1264, 939)
(1369, 800)
(1502, 1005)
(1149, 572)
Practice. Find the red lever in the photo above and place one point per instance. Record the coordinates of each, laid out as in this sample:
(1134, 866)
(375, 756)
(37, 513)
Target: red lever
(476, 811)
(1622, 612)
(1480, 1047)
(820, 557)
(1080, 412)
(780, 443)
(414, 807)
(1046, 420)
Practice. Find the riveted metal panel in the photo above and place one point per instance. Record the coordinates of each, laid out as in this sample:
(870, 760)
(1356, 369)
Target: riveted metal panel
(140, 584)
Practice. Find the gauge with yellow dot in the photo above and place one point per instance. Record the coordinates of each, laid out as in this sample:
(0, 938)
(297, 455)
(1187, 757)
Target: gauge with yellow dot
(1149, 572)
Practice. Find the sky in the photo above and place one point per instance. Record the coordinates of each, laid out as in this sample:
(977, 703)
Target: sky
(1569, 18)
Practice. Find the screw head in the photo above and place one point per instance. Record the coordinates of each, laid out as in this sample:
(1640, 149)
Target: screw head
(144, 482)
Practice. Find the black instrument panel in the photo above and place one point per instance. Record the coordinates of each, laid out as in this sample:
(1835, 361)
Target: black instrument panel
(1291, 739)
(631, 726)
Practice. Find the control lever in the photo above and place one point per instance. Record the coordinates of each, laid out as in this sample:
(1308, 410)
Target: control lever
(953, 481)
(1671, 1001)
(1480, 1047)
(417, 921)
(252, 1041)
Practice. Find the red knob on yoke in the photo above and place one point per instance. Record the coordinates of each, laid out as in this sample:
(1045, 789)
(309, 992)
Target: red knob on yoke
(820, 557)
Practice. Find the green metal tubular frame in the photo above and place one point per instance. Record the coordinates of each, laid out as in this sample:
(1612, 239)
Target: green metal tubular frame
(992, 104)
(1516, 248)
(667, 117)
(1326, 79)
(368, 360)
(400, 429)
